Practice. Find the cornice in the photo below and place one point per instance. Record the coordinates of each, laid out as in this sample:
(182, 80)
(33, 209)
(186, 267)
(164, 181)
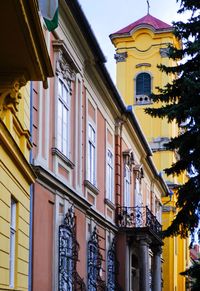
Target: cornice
(51, 182)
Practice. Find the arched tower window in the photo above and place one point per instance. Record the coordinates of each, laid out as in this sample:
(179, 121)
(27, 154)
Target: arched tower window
(143, 88)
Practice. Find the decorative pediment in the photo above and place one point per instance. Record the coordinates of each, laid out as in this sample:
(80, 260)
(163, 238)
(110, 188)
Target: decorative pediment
(128, 157)
(64, 65)
(139, 173)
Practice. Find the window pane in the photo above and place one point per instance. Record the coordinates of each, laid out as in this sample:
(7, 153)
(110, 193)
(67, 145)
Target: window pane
(110, 175)
(65, 94)
(12, 242)
(143, 84)
(63, 120)
(91, 155)
(127, 187)
(60, 88)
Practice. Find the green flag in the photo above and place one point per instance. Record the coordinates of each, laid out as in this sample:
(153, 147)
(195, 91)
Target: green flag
(49, 11)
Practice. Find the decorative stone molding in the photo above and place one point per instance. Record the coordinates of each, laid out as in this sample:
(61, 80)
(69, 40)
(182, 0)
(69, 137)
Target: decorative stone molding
(138, 170)
(118, 126)
(143, 99)
(10, 92)
(143, 65)
(91, 187)
(158, 144)
(64, 65)
(58, 153)
(129, 157)
(120, 57)
(164, 52)
(168, 209)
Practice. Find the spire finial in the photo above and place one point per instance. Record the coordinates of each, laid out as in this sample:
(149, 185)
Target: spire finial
(148, 6)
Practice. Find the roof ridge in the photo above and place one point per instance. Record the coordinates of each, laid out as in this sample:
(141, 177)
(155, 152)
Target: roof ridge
(148, 19)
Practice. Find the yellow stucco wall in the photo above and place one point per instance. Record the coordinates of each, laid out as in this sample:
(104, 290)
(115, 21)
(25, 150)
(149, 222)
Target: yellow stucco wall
(143, 55)
(15, 179)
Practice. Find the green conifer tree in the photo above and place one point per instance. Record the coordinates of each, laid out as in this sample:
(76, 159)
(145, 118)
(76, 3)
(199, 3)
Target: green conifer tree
(193, 275)
(181, 102)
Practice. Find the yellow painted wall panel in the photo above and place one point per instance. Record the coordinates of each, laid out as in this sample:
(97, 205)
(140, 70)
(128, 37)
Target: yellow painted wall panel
(5, 211)
(14, 180)
(23, 225)
(4, 227)
(4, 243)
(24, 212)
(4, 259)
(22, 267)
(4, 195)
(22, 281)
(23, 253)
(23, 239)
(4, 278)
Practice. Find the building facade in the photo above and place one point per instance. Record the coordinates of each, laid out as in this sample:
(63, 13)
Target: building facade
(140, 47)
(20, 50)
(97, 197)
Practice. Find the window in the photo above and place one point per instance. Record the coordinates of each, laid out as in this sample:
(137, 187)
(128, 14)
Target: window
(92, 266)
(66, 259)
(91, 154)
(110, 174)
(143, 88)
(127, 182)
(63, 118)
(94, 263)
(111, 267)
(12, 241)
(69, 279)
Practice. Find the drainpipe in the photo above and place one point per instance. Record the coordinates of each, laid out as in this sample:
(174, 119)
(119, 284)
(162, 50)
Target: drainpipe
(31, 194)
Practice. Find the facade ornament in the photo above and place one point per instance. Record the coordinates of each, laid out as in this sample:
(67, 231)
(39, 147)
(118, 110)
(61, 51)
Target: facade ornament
(118, 125)
(95, 263)
(64, 69)
(139, 173)
(164, 52)
(158, 144)
(113, 268)
(69, 279)
(143, 65)
(120, 57)
(10, 93)
(129, 158)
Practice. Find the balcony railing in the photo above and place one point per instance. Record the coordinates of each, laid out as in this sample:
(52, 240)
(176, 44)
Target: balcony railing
(138, 217)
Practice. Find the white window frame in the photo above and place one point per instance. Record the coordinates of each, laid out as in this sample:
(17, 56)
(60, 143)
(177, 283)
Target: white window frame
(110, 174)
(142, 99)
(63, 123)
(91, 157)
(138, 193)
(13, 207)
(127, 186)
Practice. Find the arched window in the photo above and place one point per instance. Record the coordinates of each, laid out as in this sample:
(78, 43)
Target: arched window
(143, 88)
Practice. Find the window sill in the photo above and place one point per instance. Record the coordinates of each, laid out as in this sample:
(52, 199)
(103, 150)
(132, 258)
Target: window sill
(58, 153)
(91, 187)
(109, 203)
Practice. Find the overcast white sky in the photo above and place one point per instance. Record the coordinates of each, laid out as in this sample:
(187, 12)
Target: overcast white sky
(108, 16)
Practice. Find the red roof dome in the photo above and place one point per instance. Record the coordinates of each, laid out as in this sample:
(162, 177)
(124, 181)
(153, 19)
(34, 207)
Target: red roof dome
(146, 20)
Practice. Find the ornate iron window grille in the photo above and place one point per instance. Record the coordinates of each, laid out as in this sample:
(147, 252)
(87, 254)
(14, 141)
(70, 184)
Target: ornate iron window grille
(94, 264)
(138, 217)
(69, 279)
(112, 268)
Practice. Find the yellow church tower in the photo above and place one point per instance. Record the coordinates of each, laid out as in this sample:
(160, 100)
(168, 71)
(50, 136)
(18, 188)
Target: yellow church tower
(140, 47)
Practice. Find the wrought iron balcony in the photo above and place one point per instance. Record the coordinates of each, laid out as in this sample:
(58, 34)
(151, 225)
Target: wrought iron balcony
(138, 217)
